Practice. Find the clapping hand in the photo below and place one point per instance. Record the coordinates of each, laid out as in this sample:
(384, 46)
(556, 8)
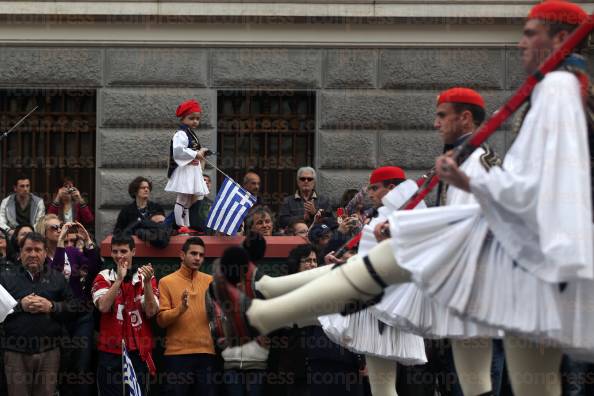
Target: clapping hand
(147, 273)
(185, 300)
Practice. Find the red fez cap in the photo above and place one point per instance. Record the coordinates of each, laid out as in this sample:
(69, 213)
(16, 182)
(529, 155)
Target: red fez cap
(386, 173)
(461, 95)
(188, 107)
(558, 11)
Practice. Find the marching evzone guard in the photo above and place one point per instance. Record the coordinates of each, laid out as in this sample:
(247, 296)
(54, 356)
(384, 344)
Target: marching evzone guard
(362, 332)
(521, 260)
(186, 162)
(459, 112)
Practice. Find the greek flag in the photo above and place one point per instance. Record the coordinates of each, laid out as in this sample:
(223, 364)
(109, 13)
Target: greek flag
(230, 208)
(129, 377)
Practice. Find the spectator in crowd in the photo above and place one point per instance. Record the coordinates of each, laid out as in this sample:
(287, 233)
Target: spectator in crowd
(319, 236)
(189, 348)
(50, 227)
(259, 221)
(288, 353)
(331, 369)
(70, 206)
(5, 262)
(127, 298)
(154, 230)
(208, 182)
(199, 209)
(251, 182)
(356, 202)
(297, 227)
(245, 368)
(79, 265)
(347, 197)
(18, 235)
(33, 333)
(158, 218)
(21, 207)
(306, 202)
(141, 208)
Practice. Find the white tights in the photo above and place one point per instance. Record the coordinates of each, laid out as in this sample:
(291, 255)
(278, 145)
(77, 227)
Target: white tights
(533, 370)
(472, 359)
(329, 293)
(382, 376)
(181, 210)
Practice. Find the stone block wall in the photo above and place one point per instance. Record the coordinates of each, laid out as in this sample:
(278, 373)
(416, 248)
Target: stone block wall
(375, 106)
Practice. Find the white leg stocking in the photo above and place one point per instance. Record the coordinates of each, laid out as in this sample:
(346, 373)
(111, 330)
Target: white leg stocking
(382, 376)
(472, 359)
(532, 368)
(181, 210)
(271, 286)
(329, 293)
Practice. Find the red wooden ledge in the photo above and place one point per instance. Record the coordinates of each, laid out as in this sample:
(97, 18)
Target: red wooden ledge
(277, 246)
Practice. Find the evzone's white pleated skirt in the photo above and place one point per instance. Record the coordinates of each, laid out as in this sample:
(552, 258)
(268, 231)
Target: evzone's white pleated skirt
(187, 179)
(466, 279)
(408, 308)
(360, 333)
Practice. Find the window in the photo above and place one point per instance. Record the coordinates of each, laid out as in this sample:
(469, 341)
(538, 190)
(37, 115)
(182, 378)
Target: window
(269, 132)
(57, 140)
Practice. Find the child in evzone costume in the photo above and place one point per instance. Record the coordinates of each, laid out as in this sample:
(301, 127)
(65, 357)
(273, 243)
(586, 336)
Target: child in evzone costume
(186, 162)
(521, 260)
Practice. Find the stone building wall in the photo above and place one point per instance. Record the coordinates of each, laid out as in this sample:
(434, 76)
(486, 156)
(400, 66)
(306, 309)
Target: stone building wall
(374, 105)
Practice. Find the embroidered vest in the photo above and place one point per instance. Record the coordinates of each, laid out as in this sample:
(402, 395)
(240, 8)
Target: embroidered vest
(193, 143)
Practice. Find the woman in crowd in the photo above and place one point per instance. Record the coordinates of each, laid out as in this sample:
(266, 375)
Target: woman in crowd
(5, 263)
(69, 205)
(140, 209)
(15, 241)
(72, 252)
(297, 227)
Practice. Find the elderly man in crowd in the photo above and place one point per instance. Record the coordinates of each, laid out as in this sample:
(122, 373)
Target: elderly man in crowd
(33, 333)
(251, 182)
(306, 202)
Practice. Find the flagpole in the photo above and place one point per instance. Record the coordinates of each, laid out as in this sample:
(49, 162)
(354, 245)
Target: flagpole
(123, 364)
(228, 177)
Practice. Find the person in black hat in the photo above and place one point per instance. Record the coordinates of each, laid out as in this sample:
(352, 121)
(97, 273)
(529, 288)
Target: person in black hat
(320, 236)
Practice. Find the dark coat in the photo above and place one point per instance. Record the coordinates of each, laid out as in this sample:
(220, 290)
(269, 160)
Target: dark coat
(129, 215)
(88, 262)
(33, 333)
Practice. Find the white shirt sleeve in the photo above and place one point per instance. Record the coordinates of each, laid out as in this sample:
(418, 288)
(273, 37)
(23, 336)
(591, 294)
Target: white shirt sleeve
(182, 154)
(538, 204)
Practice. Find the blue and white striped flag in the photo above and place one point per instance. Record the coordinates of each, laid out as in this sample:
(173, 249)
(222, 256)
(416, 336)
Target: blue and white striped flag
(230, 208)
(129, 376)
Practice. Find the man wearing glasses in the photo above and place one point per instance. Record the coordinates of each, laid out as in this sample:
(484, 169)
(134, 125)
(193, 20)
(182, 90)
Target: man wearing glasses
(306, 202)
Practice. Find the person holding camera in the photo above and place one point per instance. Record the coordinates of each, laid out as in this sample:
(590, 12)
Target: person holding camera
(77, 258)
(69, 205)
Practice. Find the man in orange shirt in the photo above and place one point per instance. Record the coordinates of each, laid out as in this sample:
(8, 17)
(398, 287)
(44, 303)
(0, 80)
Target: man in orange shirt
(189, 348)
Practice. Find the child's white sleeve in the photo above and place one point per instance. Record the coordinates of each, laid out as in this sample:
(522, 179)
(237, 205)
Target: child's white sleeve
(182, 154)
